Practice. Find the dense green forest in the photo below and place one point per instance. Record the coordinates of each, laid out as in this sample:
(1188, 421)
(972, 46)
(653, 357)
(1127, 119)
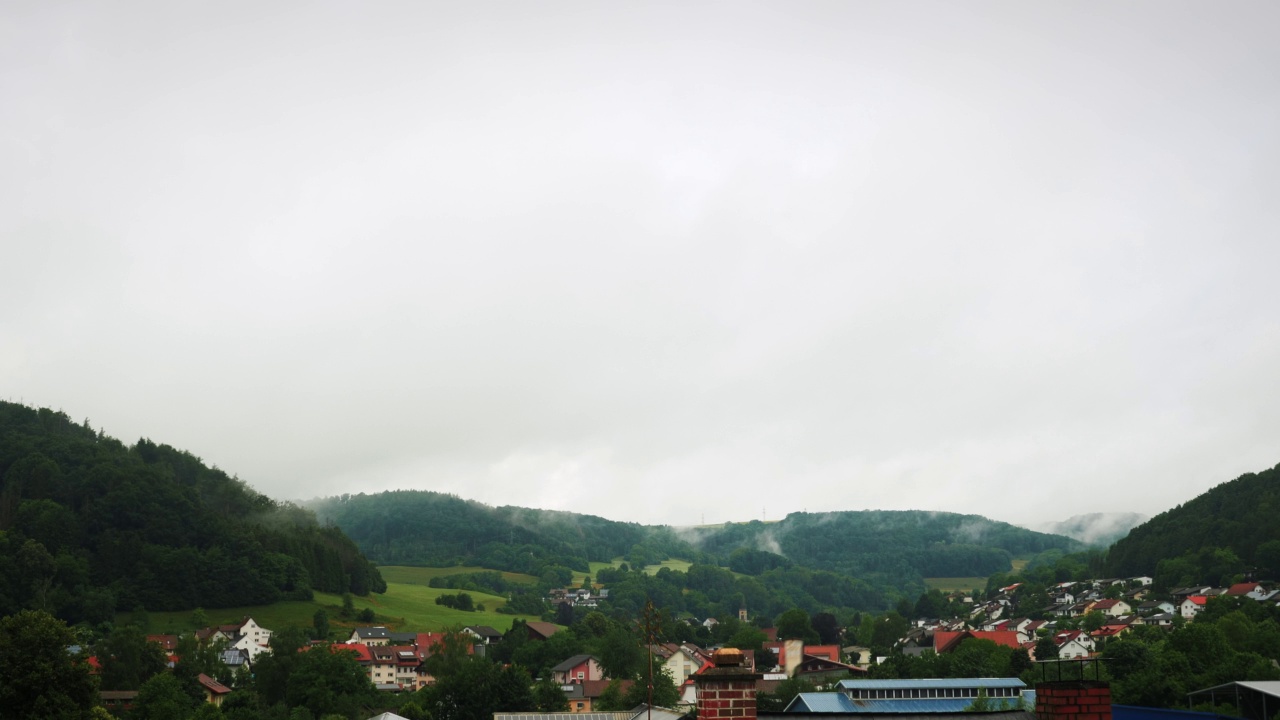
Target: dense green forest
(1230, 529)
(413, 527)
(887, 544)
(889, 553)
(89, 526)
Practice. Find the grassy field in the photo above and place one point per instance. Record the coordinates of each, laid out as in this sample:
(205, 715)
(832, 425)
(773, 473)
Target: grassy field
(964, 584)
(680, 565)
(1019, 563)
(406, 607)
(422, 575)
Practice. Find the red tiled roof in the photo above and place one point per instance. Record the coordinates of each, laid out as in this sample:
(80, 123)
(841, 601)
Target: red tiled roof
(830, 652)
(361, 651)
(1241, 589)
(168, 642)
(1198, 599)
(945, 640)
(213, 686)
(593, 688)
(1066, 636)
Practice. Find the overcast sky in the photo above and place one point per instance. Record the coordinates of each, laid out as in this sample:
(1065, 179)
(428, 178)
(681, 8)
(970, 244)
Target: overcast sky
(663, 262)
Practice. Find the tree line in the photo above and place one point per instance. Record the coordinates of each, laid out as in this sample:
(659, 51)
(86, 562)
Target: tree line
(89, 526)
(1225, 531)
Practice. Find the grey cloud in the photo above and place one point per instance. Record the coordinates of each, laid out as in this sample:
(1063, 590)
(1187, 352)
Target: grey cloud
(658, 262)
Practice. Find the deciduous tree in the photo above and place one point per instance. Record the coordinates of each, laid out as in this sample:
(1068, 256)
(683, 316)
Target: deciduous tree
(38, 677)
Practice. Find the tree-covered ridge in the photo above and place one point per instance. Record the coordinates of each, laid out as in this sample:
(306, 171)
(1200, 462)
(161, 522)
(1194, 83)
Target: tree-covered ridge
(1227, 530)
(890, 552)
(416, 527)
(902, 543)
(89, 526)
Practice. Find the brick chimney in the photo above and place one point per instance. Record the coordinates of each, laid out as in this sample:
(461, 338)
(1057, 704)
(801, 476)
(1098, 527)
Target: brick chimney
(728, 688)
(1073, 700)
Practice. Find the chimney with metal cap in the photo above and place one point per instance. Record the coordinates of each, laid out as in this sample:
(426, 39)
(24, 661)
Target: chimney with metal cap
(727, 689)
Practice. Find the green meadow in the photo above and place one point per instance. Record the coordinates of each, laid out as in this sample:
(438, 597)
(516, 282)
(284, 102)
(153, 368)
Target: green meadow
(411, 575)
(963, 584)
(680, 565)
(406, 607)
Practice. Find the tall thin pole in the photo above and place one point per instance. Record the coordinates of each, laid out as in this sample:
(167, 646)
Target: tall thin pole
(652, 622)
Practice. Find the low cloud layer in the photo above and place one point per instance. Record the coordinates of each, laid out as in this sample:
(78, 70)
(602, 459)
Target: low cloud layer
(664, 263)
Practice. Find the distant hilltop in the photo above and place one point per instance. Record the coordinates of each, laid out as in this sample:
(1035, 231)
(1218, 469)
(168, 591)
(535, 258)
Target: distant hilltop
(1099, 529)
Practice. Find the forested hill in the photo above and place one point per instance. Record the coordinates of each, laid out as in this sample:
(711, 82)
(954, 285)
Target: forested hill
(1229, 530)
(894, 549)
(88, 526)
(429, 528)
(887, 543)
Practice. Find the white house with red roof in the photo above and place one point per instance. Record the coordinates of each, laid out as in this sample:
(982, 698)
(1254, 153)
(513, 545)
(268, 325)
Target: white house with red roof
(1114, 608)
(1193, 605)
(1073, 644)
(1251, 590)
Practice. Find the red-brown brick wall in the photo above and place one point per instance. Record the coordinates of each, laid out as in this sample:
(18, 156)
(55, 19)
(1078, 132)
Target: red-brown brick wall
(1073, 701)
(727, 699)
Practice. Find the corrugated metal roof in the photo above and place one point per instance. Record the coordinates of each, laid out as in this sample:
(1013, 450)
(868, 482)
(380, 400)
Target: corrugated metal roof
(835, 702)
(1268, 687)
(1009, 715)
(933, 683)
(938, 705)
(565, 715)
(821, 702)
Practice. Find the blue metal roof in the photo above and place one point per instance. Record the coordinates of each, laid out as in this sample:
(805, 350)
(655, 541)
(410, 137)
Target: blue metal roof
(932, 683)
(834, 702)
(821, 702)
(838, 703)
(934, 705)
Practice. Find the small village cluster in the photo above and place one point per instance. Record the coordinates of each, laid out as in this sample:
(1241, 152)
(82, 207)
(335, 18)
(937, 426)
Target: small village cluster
(395, 661)
(1136, 605)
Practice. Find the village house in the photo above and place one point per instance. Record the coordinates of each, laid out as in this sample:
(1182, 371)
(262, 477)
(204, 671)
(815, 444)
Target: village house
(581, 696)
(1073, 644)
(1181, 594)
(214, 691)
(1113, 628)
(1137, 594)
(1027, 632)
(246, 635)
(680, 661)
(484, 634)
(1152, 607)
(539, 630)
(1193, 605)
(577, 669)
(945, 641)
(1251, 590)
(1114, 608)
(786, 656)
(370, 636)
